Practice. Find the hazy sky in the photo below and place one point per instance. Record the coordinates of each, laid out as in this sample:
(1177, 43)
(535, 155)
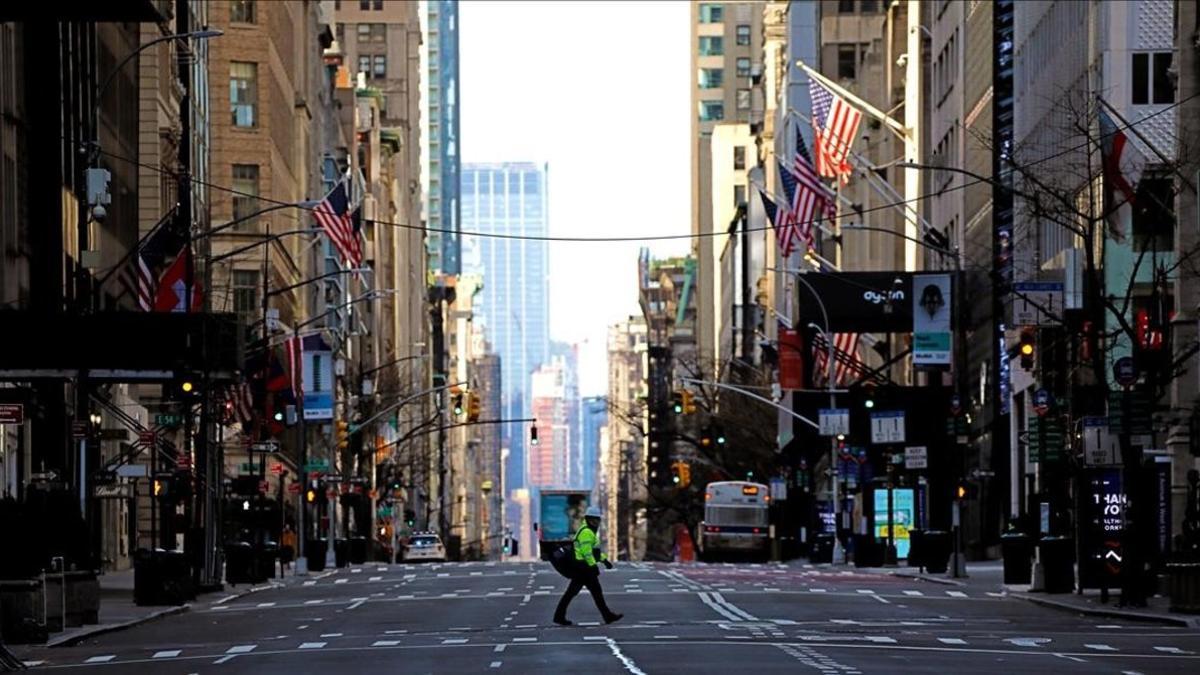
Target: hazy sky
(599, 91)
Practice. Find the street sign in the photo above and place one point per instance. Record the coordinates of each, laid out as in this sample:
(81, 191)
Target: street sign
(1125, 371)
(294, 488)
(122, 491)
(79, 429)
(114, 434)
(887, 427)
(1046, 439)
(1100, 448)
(778, 489)
(104, 477)
(269, 446)
(247, 468)
(1134, 405)
(146, 437)
(12, 413)
(317, 465)
(264, 487)
(168, 420)
(834, 421)
(1037, 303)
(277, 469)
(916, 457)
(1041, 402)
(133, 470)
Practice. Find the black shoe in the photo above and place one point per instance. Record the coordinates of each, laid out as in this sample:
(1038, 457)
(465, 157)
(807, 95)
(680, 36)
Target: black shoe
(562, 622)
(613, 618)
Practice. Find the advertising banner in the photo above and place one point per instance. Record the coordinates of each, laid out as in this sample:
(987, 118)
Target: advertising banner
(318, 379)
(791, 359)
(931, 307)
(903, 517)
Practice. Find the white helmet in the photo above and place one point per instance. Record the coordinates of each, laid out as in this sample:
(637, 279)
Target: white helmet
(593, 512)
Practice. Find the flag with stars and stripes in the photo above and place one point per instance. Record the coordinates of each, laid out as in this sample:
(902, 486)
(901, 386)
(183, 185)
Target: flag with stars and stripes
(812, 195)
(785, 225)
(845, 348)
(778, 220)
(835, 124)
(334, 216)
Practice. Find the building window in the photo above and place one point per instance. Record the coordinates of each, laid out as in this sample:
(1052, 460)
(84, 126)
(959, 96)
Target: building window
(241, 11)
(379, 5)
(1152, 79)
(379, 32)
(847, 61)
(710, 13)
(712, 111)
(243, 93)
(364, 32)
(867, 7)
(739, 157)
(245, 194)
(246, 286)
(1153, 214)
(712, 45)
(845, 6)
(364, 5)
(743, 67)
(379, 67)
(364, 64)
(739, 195)
(743, 35)
(743, 99)
(711, 78)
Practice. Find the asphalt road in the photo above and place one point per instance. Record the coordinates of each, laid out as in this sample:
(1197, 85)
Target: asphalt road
(495, 617)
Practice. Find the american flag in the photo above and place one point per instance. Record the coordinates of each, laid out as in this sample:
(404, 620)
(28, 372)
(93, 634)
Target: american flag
(333, 214)
(779, 221)
(295, 365)
(843, 343)
(811, 194)
(239, 403)
(835, 124)
(165, 240)
(785, 228)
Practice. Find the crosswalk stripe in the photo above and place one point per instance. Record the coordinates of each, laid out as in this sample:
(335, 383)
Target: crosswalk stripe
(952, 641)
(101, 659)
(166, 654)
(913, 593)
(240, 649)
(1101, 648)
(385, 643)
(956, 594)
(312, 645)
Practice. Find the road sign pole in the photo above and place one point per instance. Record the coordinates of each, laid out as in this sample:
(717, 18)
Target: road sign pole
(301, 506)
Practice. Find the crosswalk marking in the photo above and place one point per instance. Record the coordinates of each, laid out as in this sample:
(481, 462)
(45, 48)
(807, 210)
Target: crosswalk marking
(240, 649)
(495, 664)
(101, 659)
(952, 641)
(385, 643)
(956, 594)
(340, 581)
(312, 645)
(524, 639)
(1101, 648)
(1171, 650)
(266, 604)
(166, 654)
(913, 593)
(313, 602)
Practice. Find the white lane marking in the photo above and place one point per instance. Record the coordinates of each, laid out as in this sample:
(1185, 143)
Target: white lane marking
(994, 594)
(952, 641)
(505, 588)
(594, 637)
(956, 594)
(819, 590)
(525, 639)
(1101, 648)
(625, 660)
(495, 664)
(719, 609)
(385, 643)
(355, 570)
(332, 635)
(240, 649)
(220, 607)
(312, 645)
(528, 625)
(340, 581)
(396, 632)
(101, 659)
(265, 604)
(358, 602)
(1172, 650)
(476, 574)
(32, 664)
(454, 641)
(166, 654)
(882, 599)
(381, 569)
(443, 574)
(494, 594)
(666, 637)
(1068, 656)
(499, 648)
(375, 579)
(1027, 641)
(405, 597)
(310, 583)
(313, 602)
(302, 627)
(866, 591)
(717, 597)
(913, 593)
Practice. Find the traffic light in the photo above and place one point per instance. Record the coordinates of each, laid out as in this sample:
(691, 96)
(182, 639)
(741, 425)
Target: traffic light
(689, 402)
(185, 387)
(342, 435)
(458, 404)
(533, 439)
(473, 406)
(1027, 347)
(964, 489)
(162, 488)
(310, 495)
(706, 437)
(677, 402)
(681, 473)
(410, 517)
(719, 432)
(869, 396)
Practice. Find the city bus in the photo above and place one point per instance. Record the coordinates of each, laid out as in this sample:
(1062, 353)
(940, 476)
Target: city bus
(735, 521)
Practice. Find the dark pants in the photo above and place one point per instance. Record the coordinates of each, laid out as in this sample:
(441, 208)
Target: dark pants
(584, 576)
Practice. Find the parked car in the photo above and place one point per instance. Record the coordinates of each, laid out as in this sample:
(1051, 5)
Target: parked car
(423, 547)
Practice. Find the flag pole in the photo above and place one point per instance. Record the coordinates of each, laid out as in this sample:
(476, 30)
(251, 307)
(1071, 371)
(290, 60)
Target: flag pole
(1133, 128)
(897, 127)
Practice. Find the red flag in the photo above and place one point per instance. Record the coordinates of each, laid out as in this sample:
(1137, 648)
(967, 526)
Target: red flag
(172, 286)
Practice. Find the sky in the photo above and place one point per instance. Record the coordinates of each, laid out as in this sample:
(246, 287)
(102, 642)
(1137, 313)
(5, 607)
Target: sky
(599, 92)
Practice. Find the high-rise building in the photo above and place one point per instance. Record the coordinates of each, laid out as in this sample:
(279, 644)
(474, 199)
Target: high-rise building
(622, 477)
(441, 128)
(726, 48)
(569, 356)
(510, 199)
(549, 460)
(593, 417)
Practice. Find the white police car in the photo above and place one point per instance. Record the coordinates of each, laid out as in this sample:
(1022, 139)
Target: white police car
(423, 547)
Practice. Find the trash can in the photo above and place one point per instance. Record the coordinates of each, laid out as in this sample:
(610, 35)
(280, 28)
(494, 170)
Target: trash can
(315, 551)
(916, 548)
(1017, 550)
(1184, 586)
(822, 548)
(358, 550)
(1058, 563)
(937, 551)
(176, 578)
(267, 554)
(146, 578)
(238, 560)
(341, 552)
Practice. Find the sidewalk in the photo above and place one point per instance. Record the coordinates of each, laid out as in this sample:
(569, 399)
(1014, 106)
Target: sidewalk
(988, 576)
(118, 611)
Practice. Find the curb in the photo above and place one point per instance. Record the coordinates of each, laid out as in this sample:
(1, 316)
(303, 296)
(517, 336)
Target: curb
(71, 640)
(1185, 622)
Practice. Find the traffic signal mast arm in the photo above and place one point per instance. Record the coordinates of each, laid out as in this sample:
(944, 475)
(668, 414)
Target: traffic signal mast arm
(402, 402)
(754, 396)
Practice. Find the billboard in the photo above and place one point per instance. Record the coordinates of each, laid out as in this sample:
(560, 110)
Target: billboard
(903, 517)
(931, 307)
(318, 379)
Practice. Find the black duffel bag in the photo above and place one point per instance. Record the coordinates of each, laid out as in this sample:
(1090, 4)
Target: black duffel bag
(563, 560)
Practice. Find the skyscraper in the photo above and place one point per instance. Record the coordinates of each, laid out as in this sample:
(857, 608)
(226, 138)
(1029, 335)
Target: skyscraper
(440, 124)
(510, 199)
